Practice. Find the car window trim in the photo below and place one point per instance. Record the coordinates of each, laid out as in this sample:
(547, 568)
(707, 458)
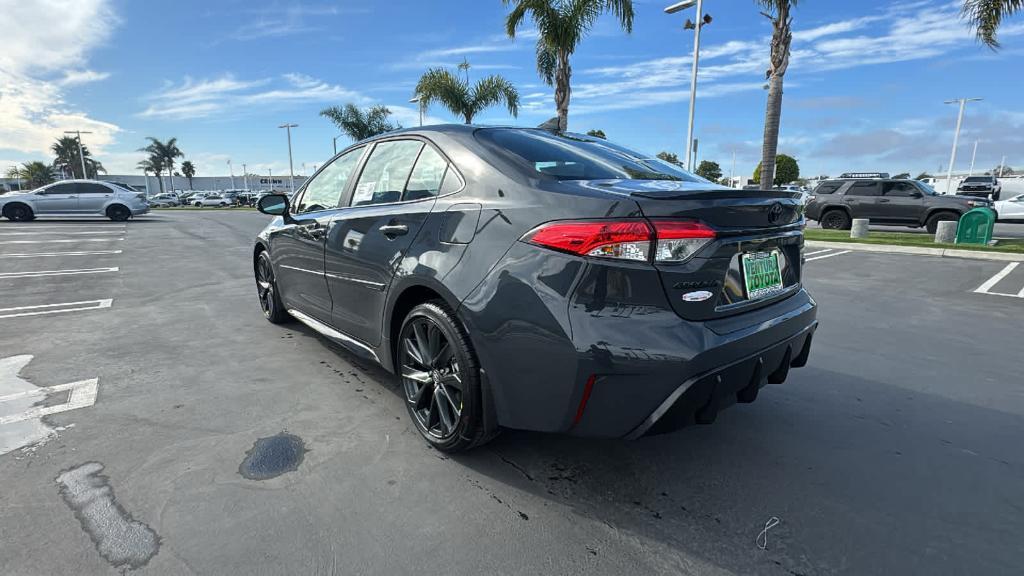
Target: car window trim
(347, 202)
(302, 189)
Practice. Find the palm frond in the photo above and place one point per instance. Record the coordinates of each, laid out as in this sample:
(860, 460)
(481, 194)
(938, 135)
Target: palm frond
(985, 16)
(547, 62)
(440, 86)
(494, 90)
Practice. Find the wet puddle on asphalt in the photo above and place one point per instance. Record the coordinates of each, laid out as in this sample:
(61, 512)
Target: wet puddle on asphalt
(273, 456)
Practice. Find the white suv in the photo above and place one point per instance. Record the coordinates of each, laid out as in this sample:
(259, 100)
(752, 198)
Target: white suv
(74, 198)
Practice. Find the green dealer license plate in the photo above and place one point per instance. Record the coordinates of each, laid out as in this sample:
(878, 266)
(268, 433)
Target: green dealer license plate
(761, 274)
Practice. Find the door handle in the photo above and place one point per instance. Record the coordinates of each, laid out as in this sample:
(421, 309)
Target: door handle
(394, 229)
(883, 200)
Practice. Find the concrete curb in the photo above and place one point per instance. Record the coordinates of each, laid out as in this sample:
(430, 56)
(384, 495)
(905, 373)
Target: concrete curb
(942, 252)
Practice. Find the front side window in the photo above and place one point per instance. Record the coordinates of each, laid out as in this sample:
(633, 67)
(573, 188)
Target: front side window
(386, 172)
(324, 191)
(863, 189)
(60, 189)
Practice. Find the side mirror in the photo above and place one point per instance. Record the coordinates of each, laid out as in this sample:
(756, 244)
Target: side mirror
(273, 204)
(916, 195)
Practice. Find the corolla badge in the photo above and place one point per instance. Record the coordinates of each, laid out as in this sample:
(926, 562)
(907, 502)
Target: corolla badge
(698, 296)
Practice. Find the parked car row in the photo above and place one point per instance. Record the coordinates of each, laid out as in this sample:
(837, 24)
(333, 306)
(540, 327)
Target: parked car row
(218, 198)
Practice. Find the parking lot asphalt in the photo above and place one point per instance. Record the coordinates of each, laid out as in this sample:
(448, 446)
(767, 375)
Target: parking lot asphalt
(895, 451)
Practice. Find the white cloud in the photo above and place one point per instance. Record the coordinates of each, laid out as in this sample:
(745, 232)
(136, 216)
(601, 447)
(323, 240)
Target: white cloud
(37, 62)
(277, 21)
(204, 98)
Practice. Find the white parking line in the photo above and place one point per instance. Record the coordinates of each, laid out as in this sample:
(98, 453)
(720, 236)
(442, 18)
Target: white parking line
(53, 233)
(818, 252)
(50, 308)
(60, 241)
(49, 254)
(991, 282)
(39, 273)
(829, 255)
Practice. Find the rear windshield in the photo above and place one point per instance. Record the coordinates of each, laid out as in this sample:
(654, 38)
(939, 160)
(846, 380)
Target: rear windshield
(577, 157)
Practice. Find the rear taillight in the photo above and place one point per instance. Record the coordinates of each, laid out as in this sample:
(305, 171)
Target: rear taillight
(662, 240)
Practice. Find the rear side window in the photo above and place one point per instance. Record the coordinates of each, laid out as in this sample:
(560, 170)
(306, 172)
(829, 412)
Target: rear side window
(899, 189)
(827, 187)
(61, 189)
(386, 172)
(89, 188)
(426, 177)
(864, 189)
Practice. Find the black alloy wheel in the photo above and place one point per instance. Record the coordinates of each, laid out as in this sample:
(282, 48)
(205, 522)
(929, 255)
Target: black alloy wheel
(118, 213)
(835, 220)
(266, 289)
(19, 213)
(440, 378)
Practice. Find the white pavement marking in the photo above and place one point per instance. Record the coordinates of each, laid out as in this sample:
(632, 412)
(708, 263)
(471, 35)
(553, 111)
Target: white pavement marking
(6, 227)
(20, 423)
(54, 233)
(991, 282)
(55, 308)
(36, 274)
(76, 240)
(829, 255)
(818, 252)
(48, 254)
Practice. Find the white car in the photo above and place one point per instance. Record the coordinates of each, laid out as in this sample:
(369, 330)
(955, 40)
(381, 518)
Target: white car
(74, 198)
(212, 200)
(1011, 210)
(164, 200)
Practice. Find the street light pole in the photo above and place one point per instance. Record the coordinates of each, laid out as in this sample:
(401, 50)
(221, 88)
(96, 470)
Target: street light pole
(291, 168)
(231, 169)
(335, 143)
(1002, 163)
(416, 100)
(81, 154)
(693, 75)
(956, 137)
(245, 176)
(974, 156)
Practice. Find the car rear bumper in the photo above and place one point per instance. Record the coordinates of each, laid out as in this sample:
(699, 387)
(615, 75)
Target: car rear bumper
(139, 210)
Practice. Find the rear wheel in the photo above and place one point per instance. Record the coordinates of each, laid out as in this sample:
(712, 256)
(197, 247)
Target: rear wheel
(18, 213)
(266, 289)
(933, 221)
(835, 219)
(440, 378)
(119, 213)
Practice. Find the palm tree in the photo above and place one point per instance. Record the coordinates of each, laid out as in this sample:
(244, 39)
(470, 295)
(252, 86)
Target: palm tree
(778, 11)
(189, 170)
(455, 94)
(359, 124)
(985, 17)
(67, 157)
(35, 174)
(562, 25)
(167, 152)
(155, 165)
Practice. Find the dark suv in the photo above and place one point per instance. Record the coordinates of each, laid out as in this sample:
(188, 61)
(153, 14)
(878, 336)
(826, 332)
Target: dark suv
(980, 186)
(835, 203)
(555, 282)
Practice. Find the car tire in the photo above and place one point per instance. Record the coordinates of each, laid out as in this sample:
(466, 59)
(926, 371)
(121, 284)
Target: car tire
(19, 213)
(835, 219)
(118, 213)
(440, 378)
(266, 290)
(199, 204)
(932, 225)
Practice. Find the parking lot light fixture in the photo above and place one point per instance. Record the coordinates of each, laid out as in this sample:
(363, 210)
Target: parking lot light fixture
(701, 21)
(231, 170)
(335, 139)
(956, 137)
(291, 167)
(245, 176)
(416, 100)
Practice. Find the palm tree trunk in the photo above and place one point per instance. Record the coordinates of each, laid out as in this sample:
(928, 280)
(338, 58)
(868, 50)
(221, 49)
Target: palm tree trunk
(772, 119)
(563, 73)
(160, 180)
(170, 177)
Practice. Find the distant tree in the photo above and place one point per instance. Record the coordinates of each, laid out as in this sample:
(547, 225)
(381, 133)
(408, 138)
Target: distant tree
(922, 176)
(360, 124)
(1002, 169)
(154, 165)
(597, 134)
(902, 176)
(670, 157)
(786, 170)
(985, 17)
(34, 174)
(456, 94)
(710, 170)
(189, 170)
(167, 152)
(67, 158)
(778, 11)
(562, 25)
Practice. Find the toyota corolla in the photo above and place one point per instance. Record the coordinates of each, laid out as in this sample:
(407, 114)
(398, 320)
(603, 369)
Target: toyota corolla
(518, 278)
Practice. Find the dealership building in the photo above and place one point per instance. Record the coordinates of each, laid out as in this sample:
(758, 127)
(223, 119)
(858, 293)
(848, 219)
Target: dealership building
(149, 184)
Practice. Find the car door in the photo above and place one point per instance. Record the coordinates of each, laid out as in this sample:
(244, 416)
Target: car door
(392, 198)
(901, 202)
(297, 249)
(59, 198)
(92, 197)
(861, 199)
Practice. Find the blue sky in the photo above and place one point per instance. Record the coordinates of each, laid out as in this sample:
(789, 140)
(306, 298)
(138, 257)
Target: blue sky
(865, 89)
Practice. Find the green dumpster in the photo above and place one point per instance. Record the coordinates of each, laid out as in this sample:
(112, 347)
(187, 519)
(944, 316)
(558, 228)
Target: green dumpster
(976, 226)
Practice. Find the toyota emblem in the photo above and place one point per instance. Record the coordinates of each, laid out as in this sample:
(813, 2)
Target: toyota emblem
(774, 213)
